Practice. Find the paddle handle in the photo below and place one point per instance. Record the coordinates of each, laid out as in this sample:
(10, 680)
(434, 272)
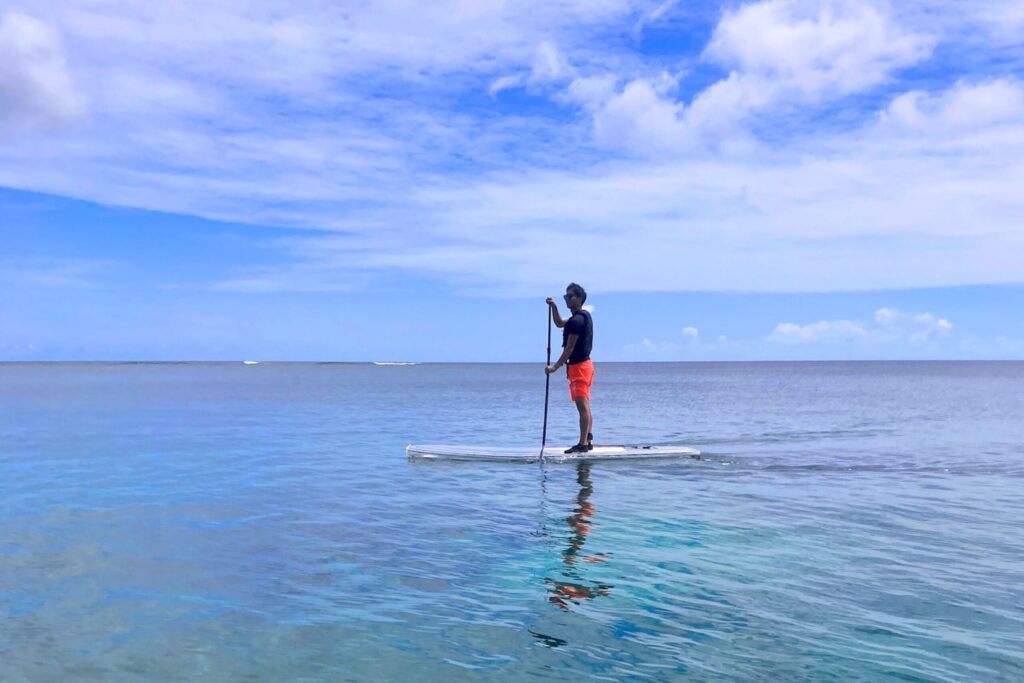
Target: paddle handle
(547, 391)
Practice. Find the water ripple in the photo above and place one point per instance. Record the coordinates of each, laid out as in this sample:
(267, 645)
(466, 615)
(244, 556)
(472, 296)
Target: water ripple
(847, 522)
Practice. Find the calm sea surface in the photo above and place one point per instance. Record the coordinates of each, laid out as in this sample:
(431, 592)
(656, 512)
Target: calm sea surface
(224, 522)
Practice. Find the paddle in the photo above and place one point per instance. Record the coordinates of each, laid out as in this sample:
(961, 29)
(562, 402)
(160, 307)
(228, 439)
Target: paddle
(547, 390)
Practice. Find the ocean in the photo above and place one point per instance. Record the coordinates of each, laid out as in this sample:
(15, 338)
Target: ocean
(227, 522)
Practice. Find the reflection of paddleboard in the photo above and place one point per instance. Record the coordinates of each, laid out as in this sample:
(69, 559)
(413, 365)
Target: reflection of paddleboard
(551, 453)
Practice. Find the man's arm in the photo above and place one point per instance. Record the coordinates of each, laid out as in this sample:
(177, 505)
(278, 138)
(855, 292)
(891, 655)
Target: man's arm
(570, 344)
(555, 315)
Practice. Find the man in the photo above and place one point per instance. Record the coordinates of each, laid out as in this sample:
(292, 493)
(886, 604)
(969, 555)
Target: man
(577, 340)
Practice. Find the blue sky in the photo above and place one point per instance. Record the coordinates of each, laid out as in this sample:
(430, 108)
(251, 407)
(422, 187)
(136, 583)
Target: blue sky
(783, 179)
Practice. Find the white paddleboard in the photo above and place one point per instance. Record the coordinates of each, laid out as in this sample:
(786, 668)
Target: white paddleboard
(551, 453)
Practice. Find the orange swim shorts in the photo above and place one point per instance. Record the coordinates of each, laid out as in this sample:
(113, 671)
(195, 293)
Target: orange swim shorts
(581, 376)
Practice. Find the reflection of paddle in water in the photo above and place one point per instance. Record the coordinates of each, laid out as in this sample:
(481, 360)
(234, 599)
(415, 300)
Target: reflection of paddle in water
(564, 592)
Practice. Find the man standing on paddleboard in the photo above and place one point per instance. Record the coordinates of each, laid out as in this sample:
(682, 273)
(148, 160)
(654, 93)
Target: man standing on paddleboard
(577, 340)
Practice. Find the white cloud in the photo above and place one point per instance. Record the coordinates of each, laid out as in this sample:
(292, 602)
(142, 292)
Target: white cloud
(824, 331)
(548, 65)
(506, 82)
(653, 346)
(36, 92)
(814, 49)
(781, 54)
(590, 92)
(53, 273)
(1008, 18)
(250, 115)
(788, 52)
(641, 118)
(343, 121)
(255, 42)
(915, 327)
(979, 23)
(963, 108)
(653, 16)
(851, 214)
(688, 345)
(889, 326)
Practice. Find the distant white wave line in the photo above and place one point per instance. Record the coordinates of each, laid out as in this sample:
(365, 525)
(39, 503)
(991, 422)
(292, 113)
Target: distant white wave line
(392, 363)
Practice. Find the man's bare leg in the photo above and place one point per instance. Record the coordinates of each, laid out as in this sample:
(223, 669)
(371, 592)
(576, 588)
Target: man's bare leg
(586, 419)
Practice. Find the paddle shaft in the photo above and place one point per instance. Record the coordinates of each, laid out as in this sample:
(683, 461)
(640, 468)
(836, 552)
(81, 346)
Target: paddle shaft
(547, 391)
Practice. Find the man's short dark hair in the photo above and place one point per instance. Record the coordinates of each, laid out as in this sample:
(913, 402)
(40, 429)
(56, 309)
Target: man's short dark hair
(576, 290)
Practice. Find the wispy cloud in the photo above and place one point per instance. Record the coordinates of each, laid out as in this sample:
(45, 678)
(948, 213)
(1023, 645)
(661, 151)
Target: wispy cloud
(653, 16)
(548, 66)
(885, 332)
(53, 273)
(36, 91)
(390, 127)
(689, 344)
(887, 326)
(987, 23)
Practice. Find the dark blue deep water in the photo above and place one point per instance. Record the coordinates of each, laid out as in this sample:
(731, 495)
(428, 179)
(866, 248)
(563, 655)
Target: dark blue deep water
(224, 522)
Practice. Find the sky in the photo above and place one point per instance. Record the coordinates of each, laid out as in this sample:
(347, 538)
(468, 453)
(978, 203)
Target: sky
(398, 180)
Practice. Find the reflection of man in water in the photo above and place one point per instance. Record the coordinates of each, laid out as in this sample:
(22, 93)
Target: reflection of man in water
(579, 524)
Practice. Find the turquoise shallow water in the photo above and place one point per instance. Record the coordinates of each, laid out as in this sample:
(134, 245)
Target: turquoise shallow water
(222, 522)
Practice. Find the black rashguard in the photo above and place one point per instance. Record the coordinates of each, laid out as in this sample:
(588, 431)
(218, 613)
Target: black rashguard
(582, 325)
